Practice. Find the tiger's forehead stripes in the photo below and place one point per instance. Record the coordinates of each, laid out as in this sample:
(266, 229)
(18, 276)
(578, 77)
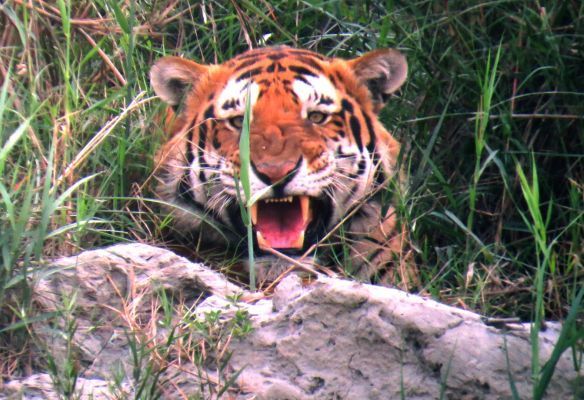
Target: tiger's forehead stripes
(274, 53)
(301, 78)
(278, 59)
(316, 93)
(232, 99)
(298, 74)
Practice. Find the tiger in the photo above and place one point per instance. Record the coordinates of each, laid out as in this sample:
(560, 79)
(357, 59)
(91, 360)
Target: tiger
(319, 156)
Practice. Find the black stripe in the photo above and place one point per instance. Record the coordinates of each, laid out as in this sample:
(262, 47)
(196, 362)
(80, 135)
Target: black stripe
(361, 167)
(185, 193)
(255, 54)
(306, 53)
(351, 194)
(189, 150)
(209, 115)
(276, 56)
(249, 73)
(356, 128)
(301, 79)
(229, 104)
(265, 82)
(246, 63)
(379, 174)
(291, 93)
(311, 62)
(341, 154)
(347, 106)
(372, 138)
(301, 70)
(276, 66)
(216, 143)
(372, 256)
(325, 100)
(373, 240)
(244, 56)
(201, 151)
(187, 198)
(263, 177)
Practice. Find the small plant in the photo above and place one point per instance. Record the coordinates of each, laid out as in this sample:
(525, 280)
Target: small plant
(210, 335)
(488, 84)
(571, 337)
(572, 333)
(64, 368)
(147, 369)
(537, 226)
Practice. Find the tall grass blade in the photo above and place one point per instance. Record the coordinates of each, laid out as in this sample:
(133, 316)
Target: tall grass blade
(537, 227)
(512, 384)
(245, 170)
(571, 335)
(13, 139)
(488, 84)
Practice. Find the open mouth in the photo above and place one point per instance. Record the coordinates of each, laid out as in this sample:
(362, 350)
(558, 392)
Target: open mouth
(281, 223)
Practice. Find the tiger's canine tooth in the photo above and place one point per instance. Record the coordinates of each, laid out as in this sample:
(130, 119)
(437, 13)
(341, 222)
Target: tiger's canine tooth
(254, 213)
(262, 243)
(299, 241)
(305, 208)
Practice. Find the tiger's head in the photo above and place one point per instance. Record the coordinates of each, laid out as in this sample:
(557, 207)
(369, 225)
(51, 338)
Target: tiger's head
(317, 147)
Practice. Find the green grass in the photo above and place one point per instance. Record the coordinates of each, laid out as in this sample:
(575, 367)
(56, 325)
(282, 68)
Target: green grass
(245, 204)
(491, 118)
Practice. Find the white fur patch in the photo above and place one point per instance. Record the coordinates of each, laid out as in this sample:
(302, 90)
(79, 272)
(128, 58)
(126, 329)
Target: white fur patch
(236, 92)
(310, 94)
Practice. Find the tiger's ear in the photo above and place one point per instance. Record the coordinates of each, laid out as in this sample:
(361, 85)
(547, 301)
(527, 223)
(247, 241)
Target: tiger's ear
(171, 78)
(382, 72)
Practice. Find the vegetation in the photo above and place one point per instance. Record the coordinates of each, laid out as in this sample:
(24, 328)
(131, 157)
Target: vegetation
(491, 118)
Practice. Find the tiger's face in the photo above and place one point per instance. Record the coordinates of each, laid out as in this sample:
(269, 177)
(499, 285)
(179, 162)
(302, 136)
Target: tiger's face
(317, 147)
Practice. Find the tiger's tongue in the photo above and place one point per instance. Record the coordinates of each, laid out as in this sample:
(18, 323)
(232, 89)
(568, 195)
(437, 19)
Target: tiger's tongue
(280, 225)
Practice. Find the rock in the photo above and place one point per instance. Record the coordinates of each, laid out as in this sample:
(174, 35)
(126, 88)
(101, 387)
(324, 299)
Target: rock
(40, 387)
(141, 310)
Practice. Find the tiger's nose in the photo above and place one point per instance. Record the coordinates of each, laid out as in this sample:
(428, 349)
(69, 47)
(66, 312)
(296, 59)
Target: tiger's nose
(275, 171)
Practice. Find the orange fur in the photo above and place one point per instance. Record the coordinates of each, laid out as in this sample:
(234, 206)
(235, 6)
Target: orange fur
(289, 88)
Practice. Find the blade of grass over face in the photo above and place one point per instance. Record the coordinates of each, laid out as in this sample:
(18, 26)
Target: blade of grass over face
(245, 170)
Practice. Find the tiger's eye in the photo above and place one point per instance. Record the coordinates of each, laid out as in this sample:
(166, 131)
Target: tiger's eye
(317, 117)
(236, 122)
